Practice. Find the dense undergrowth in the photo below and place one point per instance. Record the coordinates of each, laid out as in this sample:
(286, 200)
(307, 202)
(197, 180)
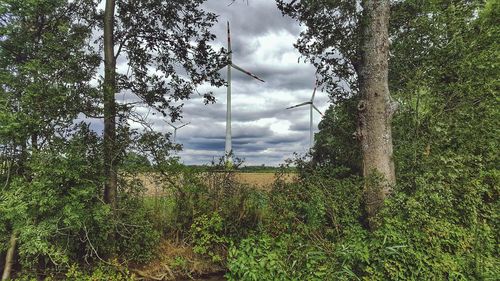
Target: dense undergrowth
(441, 231)
(309, 230)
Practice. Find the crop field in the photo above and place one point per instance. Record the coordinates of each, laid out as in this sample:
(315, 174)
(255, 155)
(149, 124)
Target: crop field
(262, 180)
(155, 187)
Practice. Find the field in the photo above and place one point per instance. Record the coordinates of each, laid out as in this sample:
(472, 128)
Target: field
(262, 180)
(259, 180)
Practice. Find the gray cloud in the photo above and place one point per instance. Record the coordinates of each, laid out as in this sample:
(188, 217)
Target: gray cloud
(300, 126)
(252, 19)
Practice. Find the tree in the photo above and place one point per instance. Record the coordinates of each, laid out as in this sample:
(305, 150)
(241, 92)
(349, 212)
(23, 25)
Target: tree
(45, 69)
(331, 42)
(109, 89)
(166, 46)
(334, 145)
(349, 45)
(375, 107)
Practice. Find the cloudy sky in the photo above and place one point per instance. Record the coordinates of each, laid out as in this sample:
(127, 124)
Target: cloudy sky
(264, 132)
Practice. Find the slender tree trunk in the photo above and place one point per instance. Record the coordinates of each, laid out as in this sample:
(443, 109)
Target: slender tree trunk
(34, 141)
(9, 258)
(110, 170)
(376, 108)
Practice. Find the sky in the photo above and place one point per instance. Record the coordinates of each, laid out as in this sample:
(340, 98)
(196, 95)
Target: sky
(264, 132)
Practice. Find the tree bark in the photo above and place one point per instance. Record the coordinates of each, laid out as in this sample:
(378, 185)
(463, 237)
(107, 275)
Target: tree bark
(376, 107)
(9, 258)
(110, 170)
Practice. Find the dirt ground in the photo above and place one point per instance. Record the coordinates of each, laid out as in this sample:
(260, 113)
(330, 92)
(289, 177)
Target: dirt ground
(177, 261)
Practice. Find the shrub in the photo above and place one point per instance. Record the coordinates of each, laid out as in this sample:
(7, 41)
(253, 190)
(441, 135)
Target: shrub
(208, 238)
(59, 216)
(442, 228)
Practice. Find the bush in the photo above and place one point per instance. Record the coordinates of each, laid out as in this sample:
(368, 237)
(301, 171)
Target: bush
(195, 194)
(59, 216)
(442, 228)
(257, 258)
(136, 236)
(208, 238)
(319, 202)
(56, 209)
(303, 235)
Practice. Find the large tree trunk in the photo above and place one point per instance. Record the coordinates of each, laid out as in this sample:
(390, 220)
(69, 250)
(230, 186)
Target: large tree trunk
(9, 258)
(376, 107)
(110, 170)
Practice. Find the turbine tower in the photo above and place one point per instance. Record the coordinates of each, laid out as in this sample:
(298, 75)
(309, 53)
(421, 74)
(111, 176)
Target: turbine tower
(177, 128)
(229, 146)
(311, 107)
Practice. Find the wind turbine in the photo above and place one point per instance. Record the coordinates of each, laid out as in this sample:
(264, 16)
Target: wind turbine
(311, 107)
(177, 128)
(229, 146)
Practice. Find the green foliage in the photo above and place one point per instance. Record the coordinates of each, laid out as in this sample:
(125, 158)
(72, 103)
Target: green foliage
(181, 55)
(441, 222)
(331, 41)
(99, 273)
(60, 217)
(334, 143)
(264, 169)
(179, 263)
(322, 199)
(423, 238)
(257, 258)
(194, 193)
(136, 236)
(307, 226)
(442, 231)
(135, 162)
(58, 212)
(208, 237)
(45, 66)
(296, 257)
(74, 273)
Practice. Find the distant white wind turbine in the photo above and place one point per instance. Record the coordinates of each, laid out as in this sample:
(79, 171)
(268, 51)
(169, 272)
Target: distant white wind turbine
(311, 107)
(177, 128)
(229, 147)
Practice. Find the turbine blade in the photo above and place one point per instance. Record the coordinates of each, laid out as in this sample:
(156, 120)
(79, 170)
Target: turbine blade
(246, 72)
(229, 50)
(314, 93)
(300, 104)
(317, 109)
(171, 125)
(183, 125)
(228, 38)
